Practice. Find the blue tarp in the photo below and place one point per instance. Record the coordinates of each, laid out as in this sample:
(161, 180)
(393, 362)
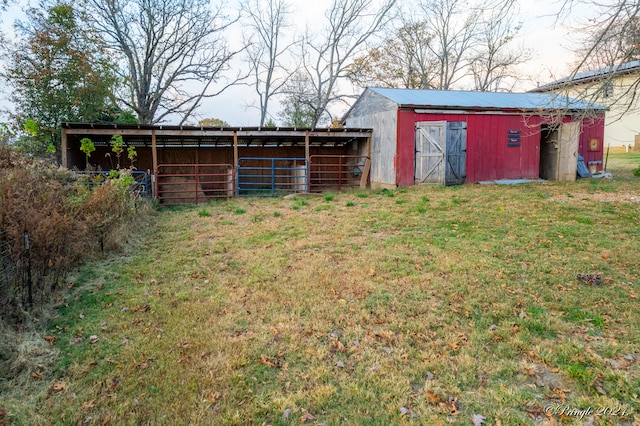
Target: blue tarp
(583, 171)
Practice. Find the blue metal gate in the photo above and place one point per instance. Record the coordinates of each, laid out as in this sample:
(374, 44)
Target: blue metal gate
(271, 177)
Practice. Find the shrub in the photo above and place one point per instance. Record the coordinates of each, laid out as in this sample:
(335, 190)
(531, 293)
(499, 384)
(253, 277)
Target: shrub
(49, 223)
(636, 172)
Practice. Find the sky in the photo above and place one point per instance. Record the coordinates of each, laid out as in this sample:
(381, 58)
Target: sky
(547, 40)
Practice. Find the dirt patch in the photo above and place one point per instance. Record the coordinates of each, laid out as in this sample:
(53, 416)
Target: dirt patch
(608, 197)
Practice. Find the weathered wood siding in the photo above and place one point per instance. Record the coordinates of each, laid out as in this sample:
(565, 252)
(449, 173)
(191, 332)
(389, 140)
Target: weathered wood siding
(375, 111)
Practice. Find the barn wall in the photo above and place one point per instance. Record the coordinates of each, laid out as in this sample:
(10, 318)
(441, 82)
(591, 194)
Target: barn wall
(592, 128)
(375, 111)
(488, 155)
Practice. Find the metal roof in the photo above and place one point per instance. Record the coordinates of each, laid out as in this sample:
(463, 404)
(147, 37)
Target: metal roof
(587, 76)
(454, 99)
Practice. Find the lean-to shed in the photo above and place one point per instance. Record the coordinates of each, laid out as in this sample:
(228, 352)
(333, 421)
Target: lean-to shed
(189, 164)
(453, 137)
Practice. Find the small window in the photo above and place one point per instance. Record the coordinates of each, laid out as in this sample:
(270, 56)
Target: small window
(607, 89)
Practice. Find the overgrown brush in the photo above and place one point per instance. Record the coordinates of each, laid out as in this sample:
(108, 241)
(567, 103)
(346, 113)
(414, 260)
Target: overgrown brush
(50, 222)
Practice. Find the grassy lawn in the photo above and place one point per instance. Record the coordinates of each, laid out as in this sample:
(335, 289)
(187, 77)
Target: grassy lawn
(423, 305)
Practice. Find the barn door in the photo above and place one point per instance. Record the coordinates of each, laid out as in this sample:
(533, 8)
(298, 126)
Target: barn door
(456, 153)
(430, 152)
(568, 150)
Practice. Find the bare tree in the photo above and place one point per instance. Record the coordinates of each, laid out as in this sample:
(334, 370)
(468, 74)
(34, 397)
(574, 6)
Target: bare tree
(494, 63)
(454, 26)
(267, 21)
(402, 60)
(173, 52)
(326, 57)
(611, 44)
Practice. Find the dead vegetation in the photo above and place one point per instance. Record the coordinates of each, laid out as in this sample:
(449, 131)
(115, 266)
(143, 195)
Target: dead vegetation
(50, 223)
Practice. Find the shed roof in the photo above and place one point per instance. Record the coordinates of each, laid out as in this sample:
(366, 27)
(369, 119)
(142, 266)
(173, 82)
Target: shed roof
(170, 136)
(590, 76)
(455, 99)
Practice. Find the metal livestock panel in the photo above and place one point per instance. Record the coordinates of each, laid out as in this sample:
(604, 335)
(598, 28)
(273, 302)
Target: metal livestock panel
(270, 177)
(193, 183)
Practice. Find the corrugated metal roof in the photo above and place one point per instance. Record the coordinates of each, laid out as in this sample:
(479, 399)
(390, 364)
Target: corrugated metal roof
(585, 76)
(482, 100)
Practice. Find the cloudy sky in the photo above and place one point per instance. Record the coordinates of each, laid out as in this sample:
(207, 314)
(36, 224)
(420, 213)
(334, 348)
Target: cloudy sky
(547, 39)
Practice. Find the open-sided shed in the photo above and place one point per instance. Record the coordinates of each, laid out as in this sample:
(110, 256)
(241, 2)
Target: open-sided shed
(193, 164)
(452, 137)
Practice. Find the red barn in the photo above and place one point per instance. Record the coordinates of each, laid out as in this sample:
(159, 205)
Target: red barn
(453, 137)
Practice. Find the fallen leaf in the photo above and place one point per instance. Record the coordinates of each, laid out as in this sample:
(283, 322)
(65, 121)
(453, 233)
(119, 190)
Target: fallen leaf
(265, 361)
(431, 397)
(58, 386)
(452, 406)
(454, 346)
(36, 375)
(93, 339)
(89, 405)
(307, 417)
(478, 420)
(50, 339)
(522, 314)
(407, 412)
(286, 414)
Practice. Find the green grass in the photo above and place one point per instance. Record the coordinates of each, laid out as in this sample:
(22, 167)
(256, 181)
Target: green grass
(448, 302)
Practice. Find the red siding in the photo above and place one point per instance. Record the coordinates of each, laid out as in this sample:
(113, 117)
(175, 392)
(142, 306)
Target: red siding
(488, 155)
(592, 129)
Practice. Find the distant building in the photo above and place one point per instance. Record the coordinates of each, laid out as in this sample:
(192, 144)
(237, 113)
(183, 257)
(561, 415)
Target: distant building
(614, 87)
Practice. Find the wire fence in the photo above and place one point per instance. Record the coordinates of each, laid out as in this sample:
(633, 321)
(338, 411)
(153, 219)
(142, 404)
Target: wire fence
(15, 273)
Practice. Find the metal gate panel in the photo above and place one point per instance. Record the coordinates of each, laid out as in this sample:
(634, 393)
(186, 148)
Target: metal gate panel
(337, 171)
(193, 183)
(430, 152)
(271, 177)
(456, 153)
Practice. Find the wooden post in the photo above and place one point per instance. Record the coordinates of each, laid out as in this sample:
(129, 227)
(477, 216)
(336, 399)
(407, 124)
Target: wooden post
(154, 151)
(235, 159)
(307, 155)
(154, 160)
(367, 166)
(64, 148)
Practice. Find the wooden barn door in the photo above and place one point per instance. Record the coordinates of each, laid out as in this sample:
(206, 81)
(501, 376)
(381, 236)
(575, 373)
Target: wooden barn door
(430, 152)
(568, 150)
(456, 153)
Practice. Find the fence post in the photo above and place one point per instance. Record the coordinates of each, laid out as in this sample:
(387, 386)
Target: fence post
(27, 249)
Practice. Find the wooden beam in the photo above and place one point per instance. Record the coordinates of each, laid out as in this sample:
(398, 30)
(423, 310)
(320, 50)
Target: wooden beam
(218, 133)
(64, 149)
(307, 155)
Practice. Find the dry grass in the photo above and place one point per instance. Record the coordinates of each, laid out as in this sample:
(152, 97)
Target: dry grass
(424, 305)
